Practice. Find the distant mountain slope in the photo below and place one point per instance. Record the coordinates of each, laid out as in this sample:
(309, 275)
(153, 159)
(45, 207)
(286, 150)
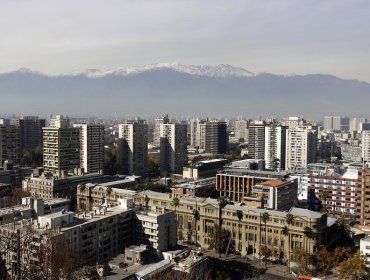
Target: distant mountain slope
(181, 90)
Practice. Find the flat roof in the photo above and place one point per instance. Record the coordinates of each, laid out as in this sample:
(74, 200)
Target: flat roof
(274, 183)
(153, 268)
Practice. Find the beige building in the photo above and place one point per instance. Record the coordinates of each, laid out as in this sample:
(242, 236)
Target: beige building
(241, 129)
(91, 147)
(173, 147)
(366, 145)
(247, 233)
(158, 230)
(134, 147)
(157, 129)
(301, 146)
(61, 147)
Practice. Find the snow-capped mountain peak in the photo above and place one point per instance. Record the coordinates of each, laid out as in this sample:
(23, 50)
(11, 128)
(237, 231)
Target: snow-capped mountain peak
(221, 70)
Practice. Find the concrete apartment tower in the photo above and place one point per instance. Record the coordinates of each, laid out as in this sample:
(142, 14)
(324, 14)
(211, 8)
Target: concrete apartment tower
(134, 147)
(10, 142)
(30, 131)
(366, 145)
(301, 145)
(91, 147)
(275, 145)
(241, 129)
(173, 146)
(61, 146)
(336, 123)
(156, 132)
(256, 140)
(212, 137)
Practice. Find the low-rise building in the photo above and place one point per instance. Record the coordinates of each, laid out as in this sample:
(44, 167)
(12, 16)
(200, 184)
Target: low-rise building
(277, 195)
(202, 188)
(244, 223)
(365, 249)
(48, 186)
(13, 175)
(32, 208)
(203, 168)
(238, 182)
(158, 230)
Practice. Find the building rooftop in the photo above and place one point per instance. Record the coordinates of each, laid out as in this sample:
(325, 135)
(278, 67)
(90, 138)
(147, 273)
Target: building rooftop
(273, 183)
(153, 268)
(196, 184)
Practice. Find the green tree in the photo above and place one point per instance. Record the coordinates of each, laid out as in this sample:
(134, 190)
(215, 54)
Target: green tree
(196, 216)
(239, 214)
(218, 239)
(324, 196)
(146, 200)
(222, 202)
(109, 191)
(353, 268)
(323, 260)
(111, 161)
(302, 259)
(309, 234)
(289, 220)
(265, 217)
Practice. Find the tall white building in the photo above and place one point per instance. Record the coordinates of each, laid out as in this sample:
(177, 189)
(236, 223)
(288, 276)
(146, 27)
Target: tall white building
(301, 146)
(275, 145)
(61, 146)
(156, 132)
(134, 147)
(355, 124)
(337, 123)
(241, 129)
(173, 147)
(256, 140)
(91, 147)
(366, 145)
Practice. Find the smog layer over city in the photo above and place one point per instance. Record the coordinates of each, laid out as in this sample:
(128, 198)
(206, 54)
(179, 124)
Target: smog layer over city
(184, 139)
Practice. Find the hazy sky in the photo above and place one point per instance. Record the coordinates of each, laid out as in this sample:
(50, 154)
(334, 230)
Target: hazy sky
(278, 36)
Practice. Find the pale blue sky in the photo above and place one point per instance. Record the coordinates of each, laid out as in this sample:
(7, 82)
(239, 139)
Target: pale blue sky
(277, 36)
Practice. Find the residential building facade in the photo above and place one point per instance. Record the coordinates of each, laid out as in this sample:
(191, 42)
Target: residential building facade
(134, 147)
(91, 147)
(173, 148)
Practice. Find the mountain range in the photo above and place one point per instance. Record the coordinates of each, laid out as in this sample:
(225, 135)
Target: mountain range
(178, 89)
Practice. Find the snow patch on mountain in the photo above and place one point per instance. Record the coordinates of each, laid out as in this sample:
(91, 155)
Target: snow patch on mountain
(221, 70)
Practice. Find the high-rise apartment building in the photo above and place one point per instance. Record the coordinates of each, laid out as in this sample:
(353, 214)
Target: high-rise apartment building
(341, 193)
(212, 137)
(256, 140)
(241, 129)
(275, 146)
(30, 131)
(134, 147)
(363, 197)
(336, 123)
(91, 147)
(173, 147)
(156, 132)
(61, 146)
(301, 146)
(10, 144)
(355, 124)
(366, 145)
